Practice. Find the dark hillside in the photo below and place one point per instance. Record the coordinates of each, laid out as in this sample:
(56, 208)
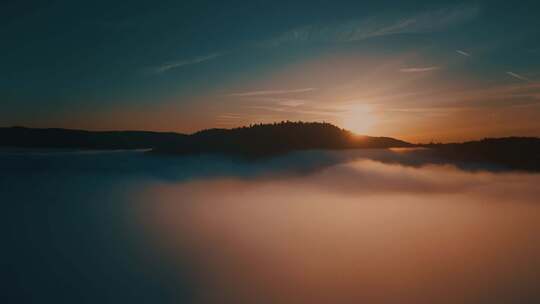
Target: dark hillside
(80, 139)
(255, 140)
(522, 153)
(277, 138)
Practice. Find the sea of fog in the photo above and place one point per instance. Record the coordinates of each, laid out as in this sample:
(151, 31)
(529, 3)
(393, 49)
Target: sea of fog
(364, 226)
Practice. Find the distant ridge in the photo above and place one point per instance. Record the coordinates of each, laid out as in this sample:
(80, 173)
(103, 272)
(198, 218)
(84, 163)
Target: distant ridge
(262, 140)
(276, 138)
(255, 140)
(520, 153)
(23, 137)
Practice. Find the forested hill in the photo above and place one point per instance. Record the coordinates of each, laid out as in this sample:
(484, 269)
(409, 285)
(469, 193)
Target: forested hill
(277, 138)
(256, 140)
(260, 140)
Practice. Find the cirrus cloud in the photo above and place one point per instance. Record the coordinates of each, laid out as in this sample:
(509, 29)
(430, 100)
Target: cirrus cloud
(178, 64)
(419, 69)
(360, 29)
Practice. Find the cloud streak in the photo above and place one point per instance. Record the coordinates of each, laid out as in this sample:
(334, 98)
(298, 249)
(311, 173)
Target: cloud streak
(178, 64)
(272, 92)
(520, 77)
(298, 110)
(229, 116)
(289, 102)
(463, 53)
(361, 29)
(292, 102)
(419, 69)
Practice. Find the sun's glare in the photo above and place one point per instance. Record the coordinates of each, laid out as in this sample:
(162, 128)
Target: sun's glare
(358, 118)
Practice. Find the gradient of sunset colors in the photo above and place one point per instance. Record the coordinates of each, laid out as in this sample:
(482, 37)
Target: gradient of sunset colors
(415, 70)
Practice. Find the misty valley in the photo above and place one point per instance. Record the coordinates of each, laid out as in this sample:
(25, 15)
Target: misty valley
(371, 225)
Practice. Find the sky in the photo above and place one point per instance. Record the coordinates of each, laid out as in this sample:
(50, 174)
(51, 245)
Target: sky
(416, 70)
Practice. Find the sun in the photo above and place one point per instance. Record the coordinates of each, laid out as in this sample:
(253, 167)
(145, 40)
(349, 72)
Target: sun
(359, 118)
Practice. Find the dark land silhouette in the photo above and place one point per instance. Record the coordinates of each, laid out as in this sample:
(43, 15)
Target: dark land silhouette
(255, 140)
(519, 153)
(270, 139)
(80, 139)
(265, 140)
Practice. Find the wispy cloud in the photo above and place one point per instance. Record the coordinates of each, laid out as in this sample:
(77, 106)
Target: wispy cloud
(298, 110)
(292, 102)
(419, 69)
(463, 53)
(360, 29)
(227, 116)
(493, 96)
(288, 102)
(520, 77)
(178, 64)
(272, 92)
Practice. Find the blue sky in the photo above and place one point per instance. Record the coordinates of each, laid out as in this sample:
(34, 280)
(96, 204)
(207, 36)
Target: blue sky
(418, 69)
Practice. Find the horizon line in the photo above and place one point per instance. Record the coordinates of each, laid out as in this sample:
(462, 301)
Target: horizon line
(432, 141)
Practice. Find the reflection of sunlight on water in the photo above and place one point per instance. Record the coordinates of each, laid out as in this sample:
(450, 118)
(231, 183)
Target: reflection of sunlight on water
(358, 232)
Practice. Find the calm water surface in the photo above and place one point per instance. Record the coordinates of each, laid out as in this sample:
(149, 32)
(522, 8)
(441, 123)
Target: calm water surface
(313, 227)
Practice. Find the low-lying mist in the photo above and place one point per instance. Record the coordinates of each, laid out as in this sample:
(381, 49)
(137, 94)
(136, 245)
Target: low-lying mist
(359, 231)
(357, 226)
